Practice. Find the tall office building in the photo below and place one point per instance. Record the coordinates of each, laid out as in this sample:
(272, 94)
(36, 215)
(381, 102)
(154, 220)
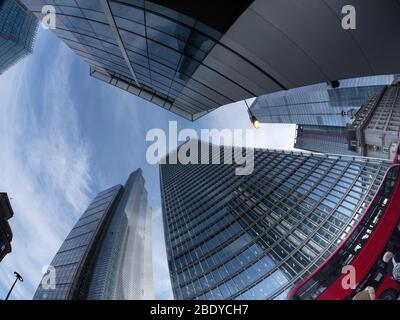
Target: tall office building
(6, 213)
(361, 117)
(320, 104)
(18, 29)
(323, 139)
(375, 131)
(191, 57)
(107, 255)
(256, 236)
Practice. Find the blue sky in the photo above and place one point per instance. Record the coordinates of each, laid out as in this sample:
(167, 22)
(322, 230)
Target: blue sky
(64, 137)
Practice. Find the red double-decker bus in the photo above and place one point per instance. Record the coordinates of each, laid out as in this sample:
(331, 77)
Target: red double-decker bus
(376, 232)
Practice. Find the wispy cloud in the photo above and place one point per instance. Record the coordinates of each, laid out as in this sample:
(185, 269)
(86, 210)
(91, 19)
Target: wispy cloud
(45, 166)
(56, 150)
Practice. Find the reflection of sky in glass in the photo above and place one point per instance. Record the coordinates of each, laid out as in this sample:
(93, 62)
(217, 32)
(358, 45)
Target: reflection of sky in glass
(318, 104)
(255, 237)
(71, 253)
(17, 34)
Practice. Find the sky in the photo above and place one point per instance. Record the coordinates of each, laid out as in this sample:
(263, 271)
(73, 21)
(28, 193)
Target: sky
(64, 137)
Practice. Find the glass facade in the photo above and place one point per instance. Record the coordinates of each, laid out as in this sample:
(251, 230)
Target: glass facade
(191, 57)
(124, 269)
(107, 253)
(256, 236)
(323, 139)
(17, 33)
(319, 105)
(145, 47)
(77, 251)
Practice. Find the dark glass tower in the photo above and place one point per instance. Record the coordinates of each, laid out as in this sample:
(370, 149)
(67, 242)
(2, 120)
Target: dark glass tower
(255, 236)
(17, 33)
(191, 57)
(6, 213)
(107, 255)
(158, 50)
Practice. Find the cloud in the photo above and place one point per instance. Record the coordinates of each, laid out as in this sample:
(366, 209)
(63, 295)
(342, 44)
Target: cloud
(45, 165)
(56, 135)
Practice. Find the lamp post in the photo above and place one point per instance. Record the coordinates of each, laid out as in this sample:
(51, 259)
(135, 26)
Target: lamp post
(253, 118)
(17, 277)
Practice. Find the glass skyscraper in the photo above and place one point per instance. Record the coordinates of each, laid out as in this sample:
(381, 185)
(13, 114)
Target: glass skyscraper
(191, 57)
(328, 119)
(6, 213)
(319, 105)
(374, 130)
(256, 236)
(107, 255)
(158, 50)
(18, 29)
(323, 139)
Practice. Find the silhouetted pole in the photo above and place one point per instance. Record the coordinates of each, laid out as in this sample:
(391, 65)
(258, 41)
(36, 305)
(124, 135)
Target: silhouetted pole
(17, 277)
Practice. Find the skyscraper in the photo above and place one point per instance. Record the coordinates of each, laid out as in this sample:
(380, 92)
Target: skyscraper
(191, 57)
(375, 131)
(256, 236)
(107, 255)
(320, 104)
(17, 33)
(6, 213)
(324, 139)
(361, 117)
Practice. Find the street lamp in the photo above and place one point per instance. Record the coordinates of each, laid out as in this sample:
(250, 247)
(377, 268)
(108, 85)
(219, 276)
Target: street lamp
(17, 277)
(255, 122)
(253, 118)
